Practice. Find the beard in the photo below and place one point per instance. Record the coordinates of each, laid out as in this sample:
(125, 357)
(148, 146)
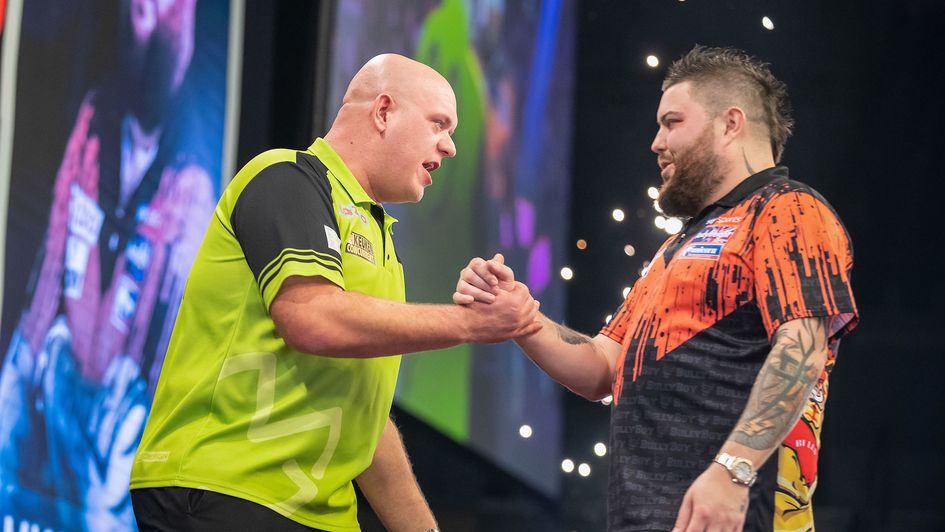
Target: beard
(695, 178)
(148, 75)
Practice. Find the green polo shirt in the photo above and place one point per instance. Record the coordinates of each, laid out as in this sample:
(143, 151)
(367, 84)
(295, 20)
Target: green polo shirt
(236, 410)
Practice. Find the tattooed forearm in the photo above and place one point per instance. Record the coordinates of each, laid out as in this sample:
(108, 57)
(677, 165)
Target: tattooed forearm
(783, 385)
(571, 337)
(747, 164)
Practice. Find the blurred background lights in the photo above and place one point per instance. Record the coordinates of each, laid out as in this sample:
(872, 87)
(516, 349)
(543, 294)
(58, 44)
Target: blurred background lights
(600, 449)
(567, 273)
(606, 401)
(584, 470)
(629, 250)
(618, 215)
(567, 465)
(626, 290)
(581, 244)
(656, 205)
(673, 226)
(767, 23)
(652, 61)
(607, 318)
(653, 192)
(525, 431)
(660, 222)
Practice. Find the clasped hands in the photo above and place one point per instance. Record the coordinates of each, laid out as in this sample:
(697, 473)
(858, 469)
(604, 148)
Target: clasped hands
(500, 308)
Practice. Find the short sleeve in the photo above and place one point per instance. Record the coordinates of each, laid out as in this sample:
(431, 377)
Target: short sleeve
(285, 224)
(803, 259)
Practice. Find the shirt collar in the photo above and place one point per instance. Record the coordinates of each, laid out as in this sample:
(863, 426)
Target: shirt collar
(332, 161)
(751, 184)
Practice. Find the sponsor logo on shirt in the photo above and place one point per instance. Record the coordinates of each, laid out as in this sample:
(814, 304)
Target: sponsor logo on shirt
(702, 251)
(350, 211)
(85, 225)
(334, 242)
(362, 247)
(709, 241)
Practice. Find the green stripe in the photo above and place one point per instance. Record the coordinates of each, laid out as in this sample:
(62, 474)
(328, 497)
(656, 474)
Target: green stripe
(276, 263)
(300, 259)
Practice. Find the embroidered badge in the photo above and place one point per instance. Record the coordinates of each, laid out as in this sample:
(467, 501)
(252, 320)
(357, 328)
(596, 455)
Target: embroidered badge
(351, 211)
(331, 237)
(362, 247)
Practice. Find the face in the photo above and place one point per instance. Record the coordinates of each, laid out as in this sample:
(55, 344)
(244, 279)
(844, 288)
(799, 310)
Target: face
(157, 44)
(685, 146)
(418, 138)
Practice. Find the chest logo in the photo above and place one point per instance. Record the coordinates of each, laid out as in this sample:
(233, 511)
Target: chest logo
(351, 211)
(362, 247)
(708, 242)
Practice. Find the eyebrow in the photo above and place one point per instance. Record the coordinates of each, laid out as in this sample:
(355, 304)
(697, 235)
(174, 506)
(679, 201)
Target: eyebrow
(448, 122)
(663, 119)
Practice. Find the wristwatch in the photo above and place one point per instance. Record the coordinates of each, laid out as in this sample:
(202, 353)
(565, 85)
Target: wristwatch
(741, 469)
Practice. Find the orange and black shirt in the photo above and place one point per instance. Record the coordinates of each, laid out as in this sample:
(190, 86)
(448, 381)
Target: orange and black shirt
(696, 329)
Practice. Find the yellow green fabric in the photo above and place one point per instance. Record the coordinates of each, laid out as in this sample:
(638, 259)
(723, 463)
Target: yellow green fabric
(236, 410)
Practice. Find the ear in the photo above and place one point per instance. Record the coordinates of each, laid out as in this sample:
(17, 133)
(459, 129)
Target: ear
(381, 111)
(734, 122)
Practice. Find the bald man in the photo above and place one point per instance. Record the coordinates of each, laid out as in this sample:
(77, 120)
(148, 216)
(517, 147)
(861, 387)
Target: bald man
(276, 390)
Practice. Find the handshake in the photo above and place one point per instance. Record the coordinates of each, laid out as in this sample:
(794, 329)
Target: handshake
(496, 307)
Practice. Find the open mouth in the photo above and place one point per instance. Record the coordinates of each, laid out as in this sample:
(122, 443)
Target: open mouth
(431, 166)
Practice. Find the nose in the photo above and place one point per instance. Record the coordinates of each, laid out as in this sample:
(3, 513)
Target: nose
(659, 142)
(447, 147)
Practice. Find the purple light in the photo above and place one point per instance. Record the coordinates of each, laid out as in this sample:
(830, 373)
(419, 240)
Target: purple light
(524, 221)
(539, 265)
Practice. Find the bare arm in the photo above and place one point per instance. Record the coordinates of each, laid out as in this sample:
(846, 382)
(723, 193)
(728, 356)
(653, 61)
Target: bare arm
(390, 487)
(313, 315)
(778, 397)
(797, 358)
(582, 364)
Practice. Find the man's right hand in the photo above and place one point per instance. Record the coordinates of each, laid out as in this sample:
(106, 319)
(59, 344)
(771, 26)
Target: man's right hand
(512, 313)
(482, 280)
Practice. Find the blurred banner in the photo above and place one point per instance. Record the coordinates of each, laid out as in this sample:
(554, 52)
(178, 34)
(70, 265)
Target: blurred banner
(511, 65)
(117, 150)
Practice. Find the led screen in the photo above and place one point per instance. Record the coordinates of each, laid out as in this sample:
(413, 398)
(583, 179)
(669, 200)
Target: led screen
(511, 67)
(116, 166)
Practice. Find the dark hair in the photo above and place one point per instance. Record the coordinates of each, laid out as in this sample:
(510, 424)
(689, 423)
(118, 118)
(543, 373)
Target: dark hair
(727, 76)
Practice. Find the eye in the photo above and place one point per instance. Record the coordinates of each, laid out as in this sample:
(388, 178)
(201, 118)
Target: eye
(439, 124)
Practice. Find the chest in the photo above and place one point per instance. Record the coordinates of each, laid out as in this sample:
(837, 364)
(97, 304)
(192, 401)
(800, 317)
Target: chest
(368, 257)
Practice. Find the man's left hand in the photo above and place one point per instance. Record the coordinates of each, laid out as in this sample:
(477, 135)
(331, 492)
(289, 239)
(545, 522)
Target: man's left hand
(713, 503)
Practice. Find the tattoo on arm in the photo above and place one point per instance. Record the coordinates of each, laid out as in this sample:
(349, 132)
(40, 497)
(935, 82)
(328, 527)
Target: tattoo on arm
(571, 337)
(747, 164)
(783, 385)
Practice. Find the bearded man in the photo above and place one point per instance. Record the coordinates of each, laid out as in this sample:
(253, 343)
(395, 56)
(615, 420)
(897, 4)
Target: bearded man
(131, 200)
(720, 355)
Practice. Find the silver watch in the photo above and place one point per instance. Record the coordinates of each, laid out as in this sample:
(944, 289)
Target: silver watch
(741, 470)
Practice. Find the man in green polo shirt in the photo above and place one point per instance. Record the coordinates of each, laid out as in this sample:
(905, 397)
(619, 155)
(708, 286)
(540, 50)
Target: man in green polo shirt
(278, 380)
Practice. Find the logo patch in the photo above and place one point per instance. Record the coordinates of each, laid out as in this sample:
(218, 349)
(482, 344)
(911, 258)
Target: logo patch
(702, 251)
(362, 247)
(715, 234)
(334, 242)
(351, 211)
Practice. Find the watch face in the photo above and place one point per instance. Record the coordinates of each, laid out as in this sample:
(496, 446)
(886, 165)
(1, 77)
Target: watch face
(742, 471)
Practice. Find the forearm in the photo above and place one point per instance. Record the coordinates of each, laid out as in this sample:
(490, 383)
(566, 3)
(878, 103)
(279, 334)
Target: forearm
(314, 316)
(781, 390)
(574, 360)
(350, 324)
(390, 487)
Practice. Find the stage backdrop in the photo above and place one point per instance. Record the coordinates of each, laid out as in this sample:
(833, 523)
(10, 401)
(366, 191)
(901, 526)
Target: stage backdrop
(117, 150)
(511, 66)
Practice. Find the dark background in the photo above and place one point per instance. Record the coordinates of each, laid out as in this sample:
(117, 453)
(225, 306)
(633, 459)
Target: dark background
(866, 80)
